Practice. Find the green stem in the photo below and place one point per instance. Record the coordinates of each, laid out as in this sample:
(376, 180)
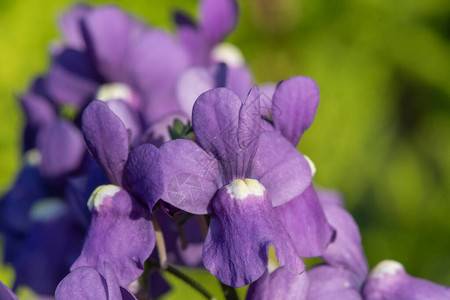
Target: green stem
(229, 292)
(180, 275)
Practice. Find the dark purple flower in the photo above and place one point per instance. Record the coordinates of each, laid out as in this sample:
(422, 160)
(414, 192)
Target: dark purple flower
(42, 236)
(231, 173)
(86, 283)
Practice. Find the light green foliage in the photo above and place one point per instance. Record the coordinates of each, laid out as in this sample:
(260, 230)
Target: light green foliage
(381, 134)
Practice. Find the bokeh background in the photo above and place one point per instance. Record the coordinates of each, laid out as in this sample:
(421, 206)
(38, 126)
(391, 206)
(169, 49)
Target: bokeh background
(382, 131)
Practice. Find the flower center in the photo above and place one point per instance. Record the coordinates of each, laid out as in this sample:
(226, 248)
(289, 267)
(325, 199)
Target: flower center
(99, 195)
(114, 91)
(241, 189)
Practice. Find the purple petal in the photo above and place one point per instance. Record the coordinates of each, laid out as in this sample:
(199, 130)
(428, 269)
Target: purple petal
(72, 78)
(346, 250)
(158, 133)
(191, 176)
(106, 138)
(156, 61)
(70, 25)
(267, 90)
(191, 85)
(86, 283)
(143, 174)
(5, 293)
(218, 19)
(82, 283)
(329, 197)
(281, 169)
(240, 80)
(52, 244)
(305, 221)
(62, 149)
(38, 110)
(121, 234)
(297, 100)
(228, 129)
(279, 285)
(195, 45)
(243, 227)
(109, 32)
(327, 282)
(129, 118)
(389, 280)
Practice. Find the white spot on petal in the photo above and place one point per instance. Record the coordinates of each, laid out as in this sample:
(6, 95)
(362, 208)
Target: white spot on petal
(114, 91)
(97, 197)
(386, 268)
(241, 189)
(229, 54)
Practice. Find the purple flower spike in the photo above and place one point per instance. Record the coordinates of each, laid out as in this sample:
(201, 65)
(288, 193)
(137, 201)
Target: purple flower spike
(107, 138)
(389, 280)
(121, 233)
(304, 219)
(61, 147)
(279, 285)
(243, 227)
(86, 283)
(295, 101)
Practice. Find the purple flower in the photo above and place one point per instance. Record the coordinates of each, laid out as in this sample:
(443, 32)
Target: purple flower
(109, 55)
(291, 107)
(42, 235)
(235, 173)
(121, 231)
(86, 283)
(344, 275)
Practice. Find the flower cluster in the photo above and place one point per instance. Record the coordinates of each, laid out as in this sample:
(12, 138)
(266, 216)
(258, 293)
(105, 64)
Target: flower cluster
(144, 150)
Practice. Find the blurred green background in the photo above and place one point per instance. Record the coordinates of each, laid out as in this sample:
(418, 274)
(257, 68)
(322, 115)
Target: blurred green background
(382, 131)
